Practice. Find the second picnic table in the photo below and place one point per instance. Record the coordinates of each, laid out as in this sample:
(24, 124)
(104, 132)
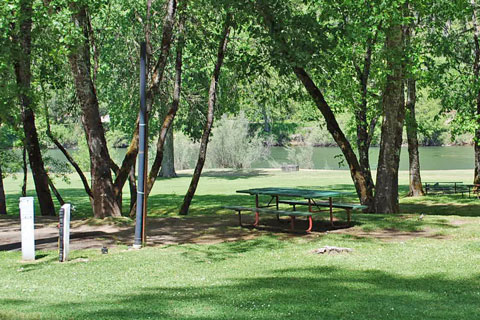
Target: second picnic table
(306, 194)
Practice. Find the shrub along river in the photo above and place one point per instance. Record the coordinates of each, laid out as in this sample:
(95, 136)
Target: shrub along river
(431, 158)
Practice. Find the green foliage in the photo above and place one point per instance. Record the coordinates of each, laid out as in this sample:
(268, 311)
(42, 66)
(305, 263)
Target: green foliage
(232, 146)
(117, 139)
(452, 65)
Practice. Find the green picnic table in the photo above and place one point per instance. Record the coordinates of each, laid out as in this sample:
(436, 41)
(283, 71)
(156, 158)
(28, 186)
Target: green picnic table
(310, 198)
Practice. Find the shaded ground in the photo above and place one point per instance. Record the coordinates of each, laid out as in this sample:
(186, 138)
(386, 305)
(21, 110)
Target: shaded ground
(88, 234)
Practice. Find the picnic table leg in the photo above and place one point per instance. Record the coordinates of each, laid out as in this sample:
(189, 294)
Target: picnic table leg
(348, 216)
(257, 214)
(331, 210)
(240, 218)
(310, 223)
(276, 203)
(292, 223)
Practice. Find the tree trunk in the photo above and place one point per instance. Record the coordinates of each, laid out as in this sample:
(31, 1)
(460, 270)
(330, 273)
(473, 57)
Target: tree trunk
(386, 195)
(476, 72)
(55, 192)
(133, 188)
(25, 171)
(104, 198)
(23, 75)
(170, 116)
(168, 162)
(266, 120)
(365, 130)
(416, 189)
(3, 199)
(212, 95)
(364, 190)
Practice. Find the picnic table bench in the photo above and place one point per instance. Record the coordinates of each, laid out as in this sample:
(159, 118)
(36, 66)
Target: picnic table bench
(473, 189)
(283, 213)
(347, 206)
(445, 187)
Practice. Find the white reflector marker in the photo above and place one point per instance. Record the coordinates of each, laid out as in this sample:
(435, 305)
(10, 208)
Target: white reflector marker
(27, 227)
(64, 235)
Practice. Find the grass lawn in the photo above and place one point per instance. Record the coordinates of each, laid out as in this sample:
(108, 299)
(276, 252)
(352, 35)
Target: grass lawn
(434, 274)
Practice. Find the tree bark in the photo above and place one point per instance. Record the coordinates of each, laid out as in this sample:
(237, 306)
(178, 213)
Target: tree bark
(104, 198)
(3, 199)
(22, 65)
(168, 162)
(133, 188)
(416, 189)
(212, 95)
(386, 195)
(364, 191)
(25, 171)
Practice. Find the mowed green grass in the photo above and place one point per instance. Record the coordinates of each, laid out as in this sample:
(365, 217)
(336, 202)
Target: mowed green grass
(435, 275)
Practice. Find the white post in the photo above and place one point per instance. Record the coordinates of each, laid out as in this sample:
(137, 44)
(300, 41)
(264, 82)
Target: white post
(27, 228)
(65, 232)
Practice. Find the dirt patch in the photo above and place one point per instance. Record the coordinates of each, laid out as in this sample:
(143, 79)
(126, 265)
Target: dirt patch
(176, 230)
(459, 222)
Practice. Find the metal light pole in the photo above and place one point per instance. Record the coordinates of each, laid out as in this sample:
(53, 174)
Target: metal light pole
(142, 156)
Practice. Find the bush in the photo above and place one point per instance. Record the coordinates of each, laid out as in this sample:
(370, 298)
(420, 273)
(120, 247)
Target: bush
(186, 152)
(233, 147)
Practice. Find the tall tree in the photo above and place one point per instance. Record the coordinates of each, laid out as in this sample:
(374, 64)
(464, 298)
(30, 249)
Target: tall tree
(171, 113)
(293, 51)
(104, 199)
(3, 199)
(415, 180)
(22, 46)
(476, 72)
(386, 191)
(453, 38)
(212, 96)
(365, 127)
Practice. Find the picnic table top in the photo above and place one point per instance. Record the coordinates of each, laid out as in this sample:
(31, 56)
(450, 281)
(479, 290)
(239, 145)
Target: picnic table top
(428, 182)
(292, 192)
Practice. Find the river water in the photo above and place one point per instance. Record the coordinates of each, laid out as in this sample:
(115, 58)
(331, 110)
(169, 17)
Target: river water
(431, 158)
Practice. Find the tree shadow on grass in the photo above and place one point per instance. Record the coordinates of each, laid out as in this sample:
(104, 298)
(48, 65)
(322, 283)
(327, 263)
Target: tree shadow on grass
(229, 250)
(324, 292)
